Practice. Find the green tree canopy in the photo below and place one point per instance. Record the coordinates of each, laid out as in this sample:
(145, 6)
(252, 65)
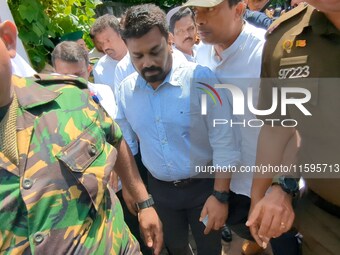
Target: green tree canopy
(41, 22)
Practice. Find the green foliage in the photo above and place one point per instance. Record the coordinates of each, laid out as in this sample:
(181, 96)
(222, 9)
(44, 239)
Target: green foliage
(165, 4)
(41, 22)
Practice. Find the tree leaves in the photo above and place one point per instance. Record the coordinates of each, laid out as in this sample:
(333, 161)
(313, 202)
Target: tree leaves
(41, 22)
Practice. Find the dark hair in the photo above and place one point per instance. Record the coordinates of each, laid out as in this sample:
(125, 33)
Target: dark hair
(140, 19)
(181, 13)
(104, 22)
(233, 2)
(71, 52)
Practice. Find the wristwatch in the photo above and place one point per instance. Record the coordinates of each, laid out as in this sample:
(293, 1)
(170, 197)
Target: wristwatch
(288, 183)
(222, 197)
(145, 204)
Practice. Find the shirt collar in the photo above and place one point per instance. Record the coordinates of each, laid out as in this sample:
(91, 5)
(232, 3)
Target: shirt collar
(31, 94)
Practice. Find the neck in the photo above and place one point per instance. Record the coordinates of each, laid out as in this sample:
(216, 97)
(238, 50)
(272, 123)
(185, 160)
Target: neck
(334, 17)
(6, 97)
(155, 85)
(188, 52)
(122, 55)
(219, 47)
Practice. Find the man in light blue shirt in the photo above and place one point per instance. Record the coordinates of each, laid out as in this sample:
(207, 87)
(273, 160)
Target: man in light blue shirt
(161, 104)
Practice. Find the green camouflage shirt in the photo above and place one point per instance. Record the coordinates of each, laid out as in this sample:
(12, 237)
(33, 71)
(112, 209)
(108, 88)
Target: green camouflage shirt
(57, 200)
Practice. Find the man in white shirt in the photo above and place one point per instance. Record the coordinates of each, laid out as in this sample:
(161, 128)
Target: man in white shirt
(183, 28)
(105, 31)
(232, 49)
(21, 68)
(69, 59)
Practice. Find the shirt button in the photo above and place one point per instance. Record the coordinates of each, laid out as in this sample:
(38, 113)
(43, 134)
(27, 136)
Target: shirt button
(38, 238)
(27, 183)
(92, 150)
(164, 141)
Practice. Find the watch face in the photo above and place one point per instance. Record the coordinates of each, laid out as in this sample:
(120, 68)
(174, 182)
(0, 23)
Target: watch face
(290, 184)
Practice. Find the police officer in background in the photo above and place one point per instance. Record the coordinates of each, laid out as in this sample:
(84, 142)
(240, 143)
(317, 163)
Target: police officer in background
(302, 51)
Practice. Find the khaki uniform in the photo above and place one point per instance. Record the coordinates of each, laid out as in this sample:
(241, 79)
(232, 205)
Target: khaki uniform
(303, 51)
(56, 199)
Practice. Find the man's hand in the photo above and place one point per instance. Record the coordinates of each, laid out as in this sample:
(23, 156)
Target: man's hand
(217, 214)
(151, 228)
(272, 216)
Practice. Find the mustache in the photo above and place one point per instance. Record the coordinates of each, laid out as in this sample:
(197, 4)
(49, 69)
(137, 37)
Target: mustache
(151, 69)
(108, 51)
(188, 38)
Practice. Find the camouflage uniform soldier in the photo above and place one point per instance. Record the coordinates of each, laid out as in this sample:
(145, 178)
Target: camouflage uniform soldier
(56, 156)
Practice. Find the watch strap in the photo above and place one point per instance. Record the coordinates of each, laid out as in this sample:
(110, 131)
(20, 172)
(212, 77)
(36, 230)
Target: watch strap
(289, 184)
(222, 197)
(145, 204)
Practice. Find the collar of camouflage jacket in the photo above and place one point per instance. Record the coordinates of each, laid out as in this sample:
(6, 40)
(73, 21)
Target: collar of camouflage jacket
(31, 94)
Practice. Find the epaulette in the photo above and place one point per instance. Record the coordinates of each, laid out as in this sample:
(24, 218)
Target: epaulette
(54, 79)
(286, 16)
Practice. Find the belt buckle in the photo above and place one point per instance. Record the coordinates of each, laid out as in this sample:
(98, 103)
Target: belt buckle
(181, 183)
(177, 183)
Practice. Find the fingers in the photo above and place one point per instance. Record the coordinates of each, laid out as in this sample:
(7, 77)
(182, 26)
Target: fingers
(254, 216)
(153, 238)
(254, 221)
(204, 213)
(208, 226)
(254, 232)
(148, 238)
(151, 228)
(290, 220)
(209, 223)
(277, 227)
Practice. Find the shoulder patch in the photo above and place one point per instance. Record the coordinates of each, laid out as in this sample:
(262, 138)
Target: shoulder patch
(54, 79)
(286, 16)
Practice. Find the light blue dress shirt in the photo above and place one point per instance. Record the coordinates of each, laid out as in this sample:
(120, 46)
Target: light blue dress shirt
(174, 136)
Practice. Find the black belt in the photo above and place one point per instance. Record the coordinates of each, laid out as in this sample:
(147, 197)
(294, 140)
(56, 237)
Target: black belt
(184, 182)
(179, 183)
(323, 204)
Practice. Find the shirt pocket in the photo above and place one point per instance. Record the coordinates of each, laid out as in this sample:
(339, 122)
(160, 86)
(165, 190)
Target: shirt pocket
(90, 160)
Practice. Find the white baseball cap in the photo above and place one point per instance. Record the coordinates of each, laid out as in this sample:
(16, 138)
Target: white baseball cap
(203, 3)
(171, 13)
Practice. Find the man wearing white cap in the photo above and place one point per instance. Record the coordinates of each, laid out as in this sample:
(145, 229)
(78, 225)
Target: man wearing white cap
(233, 50)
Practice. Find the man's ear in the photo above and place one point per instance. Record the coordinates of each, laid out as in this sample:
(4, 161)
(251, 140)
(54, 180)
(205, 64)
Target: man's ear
(240, 9)
(8, 33)
(170, 39)
(89, 68)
